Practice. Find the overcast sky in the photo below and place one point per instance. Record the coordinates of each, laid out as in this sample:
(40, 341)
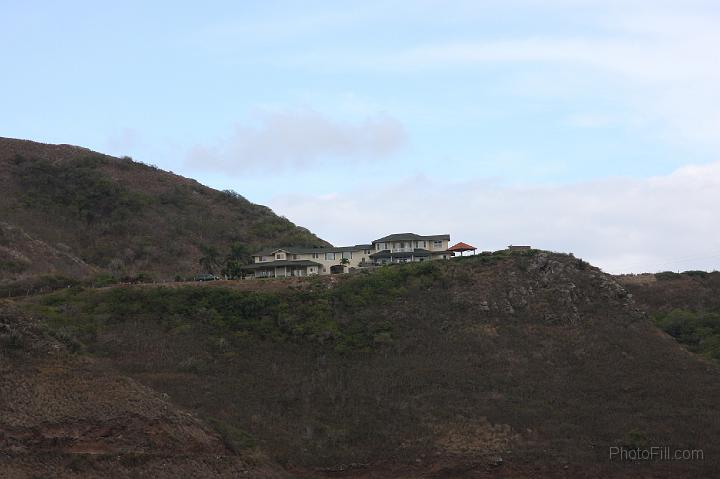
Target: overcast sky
(590, 127)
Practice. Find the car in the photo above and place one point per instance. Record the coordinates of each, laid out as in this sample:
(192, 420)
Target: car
(206, 277)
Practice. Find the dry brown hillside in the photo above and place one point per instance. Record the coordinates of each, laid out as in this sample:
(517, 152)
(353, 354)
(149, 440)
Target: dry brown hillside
(73, 212)
(517, 365)
(70, 416)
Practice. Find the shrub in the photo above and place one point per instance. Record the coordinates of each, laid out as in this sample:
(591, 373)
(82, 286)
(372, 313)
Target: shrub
(667, 275)
(698, 331)
(696, 273)
(78, 188)
(234, 438)
(104, 279)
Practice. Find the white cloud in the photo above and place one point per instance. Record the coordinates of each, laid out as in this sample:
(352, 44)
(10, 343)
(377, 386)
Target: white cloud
(658, 58)
(296, 139)
(621, 225)
(664, 63)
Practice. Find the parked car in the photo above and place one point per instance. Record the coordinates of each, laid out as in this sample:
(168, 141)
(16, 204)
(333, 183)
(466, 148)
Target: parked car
(205, 277)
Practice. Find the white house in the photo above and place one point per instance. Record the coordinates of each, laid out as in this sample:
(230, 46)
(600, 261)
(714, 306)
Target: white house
(395, 248)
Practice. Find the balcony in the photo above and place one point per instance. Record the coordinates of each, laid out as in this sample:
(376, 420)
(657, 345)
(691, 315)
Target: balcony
(402, 250)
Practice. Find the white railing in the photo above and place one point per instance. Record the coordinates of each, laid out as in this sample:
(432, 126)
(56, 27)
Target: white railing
(402, 250)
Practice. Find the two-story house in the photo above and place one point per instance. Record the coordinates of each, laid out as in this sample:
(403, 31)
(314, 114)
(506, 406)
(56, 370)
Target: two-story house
(291, 261)
(396, 248)
(410, 247)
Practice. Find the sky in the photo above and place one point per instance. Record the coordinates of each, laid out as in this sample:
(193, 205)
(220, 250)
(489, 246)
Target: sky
(590, 127)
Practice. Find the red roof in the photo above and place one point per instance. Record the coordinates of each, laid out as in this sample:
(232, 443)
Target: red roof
(461, 247)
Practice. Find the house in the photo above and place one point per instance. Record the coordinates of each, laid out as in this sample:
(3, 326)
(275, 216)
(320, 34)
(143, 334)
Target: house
(410, 247)
(514, 247)
(291, 261)
(395, 248)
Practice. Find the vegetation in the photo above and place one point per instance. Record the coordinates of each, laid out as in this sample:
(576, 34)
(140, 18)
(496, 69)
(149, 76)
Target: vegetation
(321, 315)
(698, 331)
(82, 191)
(125, 217)
(667, 275)
(238, 256)
(685, 305)
(36, 285)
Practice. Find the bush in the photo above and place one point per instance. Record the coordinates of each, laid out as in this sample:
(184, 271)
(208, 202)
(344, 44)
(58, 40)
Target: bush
(78, 188)
(329, 317)
(234, 438)
(35, 285)
(11, 341)
(104, 279)
(698, 331)
(696, 273)
(667, 275)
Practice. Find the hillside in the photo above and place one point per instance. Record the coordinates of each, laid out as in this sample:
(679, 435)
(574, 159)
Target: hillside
(527, 364)
(686, 306)
(67, 415)
(68, 211)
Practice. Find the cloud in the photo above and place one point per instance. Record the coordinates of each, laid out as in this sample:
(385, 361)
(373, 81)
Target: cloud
(298, 139)
(663, 63)
(621, 225)
(657, 58)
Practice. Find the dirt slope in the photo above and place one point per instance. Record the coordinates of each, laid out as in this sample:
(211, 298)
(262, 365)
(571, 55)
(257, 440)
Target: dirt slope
(63, 415)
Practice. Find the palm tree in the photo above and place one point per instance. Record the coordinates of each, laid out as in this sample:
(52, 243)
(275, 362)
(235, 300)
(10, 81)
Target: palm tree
(209, 259)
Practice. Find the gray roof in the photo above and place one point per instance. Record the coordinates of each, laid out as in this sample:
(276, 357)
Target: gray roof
(403, 254)
(274, 264)
(412, 237)
(299, 250)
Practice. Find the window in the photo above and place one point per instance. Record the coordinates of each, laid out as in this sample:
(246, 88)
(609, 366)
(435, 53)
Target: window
(330, 256)
(280, 256)
(294, 256)
(437, 244)
(347, 254)
(367, 251)
(316, 256)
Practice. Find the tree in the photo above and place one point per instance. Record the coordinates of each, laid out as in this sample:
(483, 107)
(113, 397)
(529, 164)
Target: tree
(239, 252)
(345, 261)
(209, 258)
(232, 269)
(238, 257)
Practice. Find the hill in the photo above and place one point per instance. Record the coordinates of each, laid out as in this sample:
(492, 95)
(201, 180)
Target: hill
(75, 213)
(67, 415)
(685, 305)
(527, 364)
